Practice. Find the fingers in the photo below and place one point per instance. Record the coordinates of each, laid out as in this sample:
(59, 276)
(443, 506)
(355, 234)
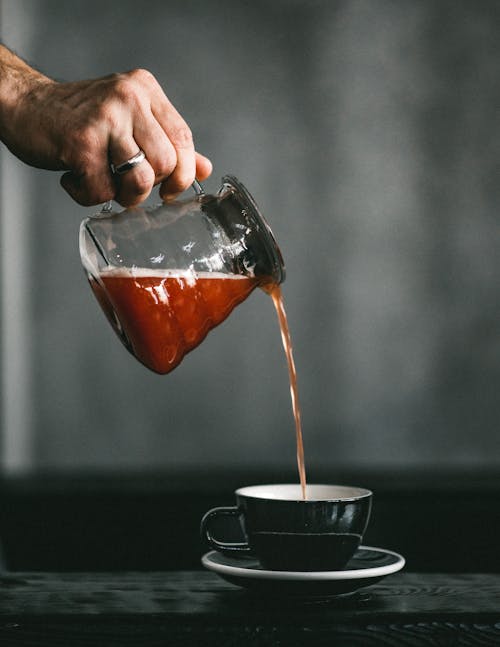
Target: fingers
(159, 151)
(163, 135)
(183, 174)
(203, 167)
(170, 188)
(170, 165)
(108, 121)
(135, 185)
(188, 162)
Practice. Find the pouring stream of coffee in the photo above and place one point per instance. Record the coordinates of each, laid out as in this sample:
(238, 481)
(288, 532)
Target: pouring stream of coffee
(276, 295)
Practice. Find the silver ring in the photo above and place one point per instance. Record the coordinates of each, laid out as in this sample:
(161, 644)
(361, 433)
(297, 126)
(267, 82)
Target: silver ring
(120, 169)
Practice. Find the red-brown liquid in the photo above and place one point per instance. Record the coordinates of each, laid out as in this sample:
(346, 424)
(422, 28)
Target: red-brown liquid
(276, 295)
(161, 316)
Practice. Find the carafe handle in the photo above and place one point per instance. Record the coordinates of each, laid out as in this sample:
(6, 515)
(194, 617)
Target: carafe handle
(107, 207)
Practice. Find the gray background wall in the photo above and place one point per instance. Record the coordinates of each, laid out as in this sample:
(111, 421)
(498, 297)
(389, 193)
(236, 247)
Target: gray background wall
(368, 132)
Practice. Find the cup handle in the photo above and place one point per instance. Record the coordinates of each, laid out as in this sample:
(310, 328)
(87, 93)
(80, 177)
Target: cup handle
(236, 547)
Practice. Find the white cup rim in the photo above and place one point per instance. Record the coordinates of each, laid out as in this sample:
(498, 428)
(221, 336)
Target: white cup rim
(292, 492)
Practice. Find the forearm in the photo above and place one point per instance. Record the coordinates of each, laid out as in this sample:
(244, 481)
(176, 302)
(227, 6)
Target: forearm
(18, 82)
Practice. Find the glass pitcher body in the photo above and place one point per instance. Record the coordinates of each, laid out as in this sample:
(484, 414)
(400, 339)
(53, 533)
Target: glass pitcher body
(166, 276)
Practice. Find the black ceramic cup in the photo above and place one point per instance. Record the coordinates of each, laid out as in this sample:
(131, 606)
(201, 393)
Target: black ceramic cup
(286, 532)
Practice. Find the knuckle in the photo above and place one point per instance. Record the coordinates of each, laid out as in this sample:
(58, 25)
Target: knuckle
(165, 165)
(142, 76)
(141, 183)
(181, 136)
(129, 85)
(125, 88)
(180, 181)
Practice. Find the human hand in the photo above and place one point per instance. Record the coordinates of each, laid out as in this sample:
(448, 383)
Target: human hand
(83, 127)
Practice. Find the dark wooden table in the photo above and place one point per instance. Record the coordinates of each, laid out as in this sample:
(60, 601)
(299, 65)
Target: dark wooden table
(197, 608)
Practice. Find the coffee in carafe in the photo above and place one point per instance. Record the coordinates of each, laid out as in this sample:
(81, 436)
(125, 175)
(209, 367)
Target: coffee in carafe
(166, 276)
(161, 316)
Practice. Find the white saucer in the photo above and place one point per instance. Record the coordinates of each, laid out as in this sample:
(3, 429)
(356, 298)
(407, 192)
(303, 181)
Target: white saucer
(369, 565)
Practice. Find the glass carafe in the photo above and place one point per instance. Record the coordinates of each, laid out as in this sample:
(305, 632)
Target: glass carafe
(165, 276)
